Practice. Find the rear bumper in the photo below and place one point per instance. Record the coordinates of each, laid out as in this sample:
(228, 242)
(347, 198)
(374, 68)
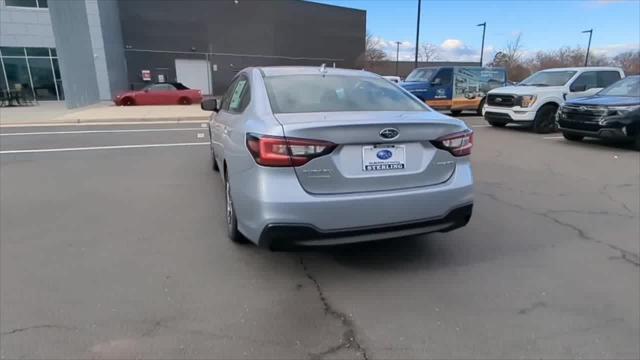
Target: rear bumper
(266, 197)
(276, 236)
(507, 115)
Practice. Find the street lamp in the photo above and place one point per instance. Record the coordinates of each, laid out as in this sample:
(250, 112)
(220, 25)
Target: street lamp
(586, 59)
(415, 62)
(397, 55)
(484, 29)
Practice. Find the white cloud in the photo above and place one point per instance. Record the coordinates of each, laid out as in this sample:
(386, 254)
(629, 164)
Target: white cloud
(452, 44)
(449, 50)
(615, 49)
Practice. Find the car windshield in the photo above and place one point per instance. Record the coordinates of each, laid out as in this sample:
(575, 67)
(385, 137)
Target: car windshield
(421, 75)
(626, 87)
(548, 78)
(331, 93)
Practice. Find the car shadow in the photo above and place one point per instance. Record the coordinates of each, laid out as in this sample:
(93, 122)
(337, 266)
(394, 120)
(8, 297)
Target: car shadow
(395, 254)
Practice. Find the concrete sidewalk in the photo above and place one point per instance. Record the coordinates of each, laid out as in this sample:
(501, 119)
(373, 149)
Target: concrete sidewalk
(53, 112)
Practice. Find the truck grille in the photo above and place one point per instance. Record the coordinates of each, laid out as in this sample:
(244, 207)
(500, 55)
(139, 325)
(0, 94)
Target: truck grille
(579, 125)
(501, 100)
(583, 113)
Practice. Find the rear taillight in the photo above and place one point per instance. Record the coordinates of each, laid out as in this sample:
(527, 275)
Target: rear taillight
(281, 152)
(458, 144)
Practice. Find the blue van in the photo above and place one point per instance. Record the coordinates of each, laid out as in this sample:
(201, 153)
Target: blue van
(454, 88)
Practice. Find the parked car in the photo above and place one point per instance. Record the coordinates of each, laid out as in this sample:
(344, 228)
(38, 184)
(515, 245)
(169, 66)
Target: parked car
(454, 88)
(613, 113)
(322, 156)
(393, 79)
(160, 94)
(536, 99)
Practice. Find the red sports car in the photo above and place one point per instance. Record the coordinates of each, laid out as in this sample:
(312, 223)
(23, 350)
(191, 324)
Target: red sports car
(160, 94)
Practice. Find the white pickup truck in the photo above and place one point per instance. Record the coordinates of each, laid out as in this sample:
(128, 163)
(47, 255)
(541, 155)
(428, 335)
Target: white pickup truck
(535, 100)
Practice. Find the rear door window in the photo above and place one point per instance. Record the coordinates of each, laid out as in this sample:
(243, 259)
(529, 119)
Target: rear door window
(227, 95)
(241, 89)
(606, 78)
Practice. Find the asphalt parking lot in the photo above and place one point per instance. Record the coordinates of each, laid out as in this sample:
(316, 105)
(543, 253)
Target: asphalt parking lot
(117, 249)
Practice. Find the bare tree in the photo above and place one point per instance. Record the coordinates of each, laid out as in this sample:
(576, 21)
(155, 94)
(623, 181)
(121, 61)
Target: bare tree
(511, 59)
(629, 61)
(513, 51)
(373, 51)
(428, 52)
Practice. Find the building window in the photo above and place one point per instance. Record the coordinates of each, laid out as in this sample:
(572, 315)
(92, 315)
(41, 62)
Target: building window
(27, 3)
(34, 71)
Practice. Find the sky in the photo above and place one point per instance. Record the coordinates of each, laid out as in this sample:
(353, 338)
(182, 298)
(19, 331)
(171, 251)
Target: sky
(450, 25)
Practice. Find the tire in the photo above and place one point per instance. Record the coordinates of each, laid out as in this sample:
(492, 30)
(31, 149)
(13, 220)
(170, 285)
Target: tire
(184, 101)
(456, 112)
(496, 123)
(572, 137)
(214, 164)
(479, 110)
(636, 142)
(127, 101)
(230, 215)
(545, 120)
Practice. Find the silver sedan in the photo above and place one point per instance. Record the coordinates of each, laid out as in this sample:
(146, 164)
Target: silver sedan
(322, 156)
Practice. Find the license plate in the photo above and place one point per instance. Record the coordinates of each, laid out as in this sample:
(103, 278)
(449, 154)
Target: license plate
(383, 157)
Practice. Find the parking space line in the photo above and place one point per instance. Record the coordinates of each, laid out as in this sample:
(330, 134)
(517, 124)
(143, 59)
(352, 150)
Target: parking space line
(114, 147)
(480, 125)
(97, 131)
(553, 137)
(98, 123)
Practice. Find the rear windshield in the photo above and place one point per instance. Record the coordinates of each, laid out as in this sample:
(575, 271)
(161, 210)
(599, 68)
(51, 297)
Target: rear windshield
(331, 93)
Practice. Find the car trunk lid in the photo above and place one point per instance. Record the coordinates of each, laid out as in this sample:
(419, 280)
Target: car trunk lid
(366, 161)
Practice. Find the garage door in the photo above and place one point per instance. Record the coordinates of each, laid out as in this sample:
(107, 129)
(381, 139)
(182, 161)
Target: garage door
(194, 74)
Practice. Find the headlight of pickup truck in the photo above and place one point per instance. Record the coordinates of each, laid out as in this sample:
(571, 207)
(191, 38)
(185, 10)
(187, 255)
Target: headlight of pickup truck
(527, 100)
(623, 110)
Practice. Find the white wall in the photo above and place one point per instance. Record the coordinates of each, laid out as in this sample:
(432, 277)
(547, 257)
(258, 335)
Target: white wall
(25, 27)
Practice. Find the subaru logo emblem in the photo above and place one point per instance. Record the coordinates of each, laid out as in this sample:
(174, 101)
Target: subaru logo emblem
(389, 133)
(384, 154)
(498, 99)
(582, 108)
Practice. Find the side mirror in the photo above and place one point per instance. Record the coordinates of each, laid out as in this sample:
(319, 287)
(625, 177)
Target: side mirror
(436, 81)
(576, 88)
(146, 90)
(209, 105)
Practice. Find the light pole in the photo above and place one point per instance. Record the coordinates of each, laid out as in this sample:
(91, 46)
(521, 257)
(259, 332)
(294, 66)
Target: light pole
(415, 62)
(397, 55)
(484, 29)
(586, 59)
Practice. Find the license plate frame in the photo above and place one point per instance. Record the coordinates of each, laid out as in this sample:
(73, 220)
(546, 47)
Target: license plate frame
(374, 159)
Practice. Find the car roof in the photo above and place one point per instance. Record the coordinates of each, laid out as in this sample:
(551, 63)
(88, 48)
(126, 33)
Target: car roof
(311, 70)
(582, 68)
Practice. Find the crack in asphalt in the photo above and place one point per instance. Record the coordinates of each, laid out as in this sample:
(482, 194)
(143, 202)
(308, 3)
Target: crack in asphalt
(349, 340)
(604, 191)
(592, 212)
(157, 325)
(535, 305)
(625, 255)
(45, 326)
